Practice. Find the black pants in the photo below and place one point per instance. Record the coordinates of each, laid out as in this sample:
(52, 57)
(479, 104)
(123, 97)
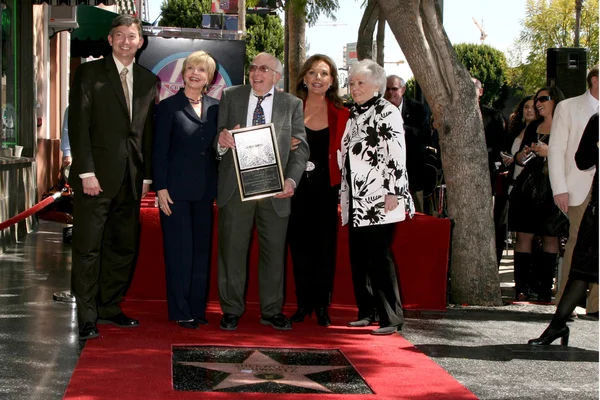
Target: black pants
(312, 236)
(374, 273)
(106, 235)
(187, 240)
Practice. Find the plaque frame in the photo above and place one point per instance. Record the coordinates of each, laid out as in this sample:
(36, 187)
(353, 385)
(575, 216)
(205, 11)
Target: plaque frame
(271, 165)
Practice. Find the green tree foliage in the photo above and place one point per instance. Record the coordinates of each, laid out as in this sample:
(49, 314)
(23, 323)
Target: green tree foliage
(265, 33)
(314, 8)
(550, 24)
(184, 13)
(489, 66)
(410, 88)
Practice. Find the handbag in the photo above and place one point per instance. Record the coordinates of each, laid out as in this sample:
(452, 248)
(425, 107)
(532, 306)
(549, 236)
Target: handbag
(532, 185)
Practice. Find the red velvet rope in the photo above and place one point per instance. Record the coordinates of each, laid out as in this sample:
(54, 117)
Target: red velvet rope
(11, 221)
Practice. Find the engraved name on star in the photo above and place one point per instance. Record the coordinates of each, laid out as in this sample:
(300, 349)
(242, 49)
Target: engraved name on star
(260, 368)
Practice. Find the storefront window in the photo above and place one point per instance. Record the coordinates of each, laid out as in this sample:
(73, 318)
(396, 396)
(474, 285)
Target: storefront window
(8, 96)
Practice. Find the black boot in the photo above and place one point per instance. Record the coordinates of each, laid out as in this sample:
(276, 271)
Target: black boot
(322, 316)
(544, 269)
(574, 291)
(521, 274)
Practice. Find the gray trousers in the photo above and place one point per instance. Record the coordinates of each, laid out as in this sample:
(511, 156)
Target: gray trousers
(236, 219)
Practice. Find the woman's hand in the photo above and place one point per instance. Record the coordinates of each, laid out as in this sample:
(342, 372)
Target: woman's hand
(540, 148)
(391, 202)
(519, 156)
(295, 143)
(164, 200)
(507, 160)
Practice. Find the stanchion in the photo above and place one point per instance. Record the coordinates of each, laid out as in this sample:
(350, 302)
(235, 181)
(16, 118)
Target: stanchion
(65, 295)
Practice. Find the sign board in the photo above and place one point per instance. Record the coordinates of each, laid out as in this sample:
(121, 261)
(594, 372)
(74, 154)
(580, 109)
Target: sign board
(164, 56)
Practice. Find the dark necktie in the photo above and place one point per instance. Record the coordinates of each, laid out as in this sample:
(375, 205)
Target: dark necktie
(258, 118)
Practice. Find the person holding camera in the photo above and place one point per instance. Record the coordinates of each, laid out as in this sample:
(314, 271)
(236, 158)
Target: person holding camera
(532, 211)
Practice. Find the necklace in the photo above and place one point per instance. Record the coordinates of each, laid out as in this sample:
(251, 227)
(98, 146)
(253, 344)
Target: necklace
(195, 101)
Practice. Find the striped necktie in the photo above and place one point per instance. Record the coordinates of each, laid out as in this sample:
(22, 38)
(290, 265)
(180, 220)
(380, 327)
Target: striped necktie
(123, 76)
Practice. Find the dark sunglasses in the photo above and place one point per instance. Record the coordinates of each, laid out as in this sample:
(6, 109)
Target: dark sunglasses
(543, 99)
(262, 68)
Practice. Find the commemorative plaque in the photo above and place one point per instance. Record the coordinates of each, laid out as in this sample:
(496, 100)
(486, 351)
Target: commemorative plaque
(257, 163)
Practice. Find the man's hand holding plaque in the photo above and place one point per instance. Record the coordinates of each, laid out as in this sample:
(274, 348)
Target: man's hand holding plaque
(226, 139)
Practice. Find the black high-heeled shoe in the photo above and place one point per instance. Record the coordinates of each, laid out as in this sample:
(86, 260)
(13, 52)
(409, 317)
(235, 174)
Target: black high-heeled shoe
(300, 314)
(322, 316)
(550, 335)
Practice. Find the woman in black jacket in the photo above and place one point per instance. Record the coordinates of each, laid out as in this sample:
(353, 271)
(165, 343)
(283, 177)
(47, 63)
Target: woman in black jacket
(584, 267)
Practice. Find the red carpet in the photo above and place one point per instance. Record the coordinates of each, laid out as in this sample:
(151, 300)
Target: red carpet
(421, 250)
(135, 363)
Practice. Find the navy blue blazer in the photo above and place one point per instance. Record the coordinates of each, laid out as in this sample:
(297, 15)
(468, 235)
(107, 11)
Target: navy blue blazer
(183, 158)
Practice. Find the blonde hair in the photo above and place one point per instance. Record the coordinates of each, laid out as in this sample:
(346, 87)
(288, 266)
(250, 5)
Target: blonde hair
(201, 58)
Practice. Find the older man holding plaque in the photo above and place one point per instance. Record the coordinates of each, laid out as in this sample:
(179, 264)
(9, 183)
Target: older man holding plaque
(244, 106)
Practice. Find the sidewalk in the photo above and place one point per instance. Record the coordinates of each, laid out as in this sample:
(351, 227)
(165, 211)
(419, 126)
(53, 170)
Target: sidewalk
(483, 348)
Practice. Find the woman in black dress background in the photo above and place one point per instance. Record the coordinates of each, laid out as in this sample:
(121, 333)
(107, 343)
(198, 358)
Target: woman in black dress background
(531, 217)
(312, 229)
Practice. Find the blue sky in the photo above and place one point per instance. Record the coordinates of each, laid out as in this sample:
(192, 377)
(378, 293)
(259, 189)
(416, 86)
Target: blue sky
(501, 21)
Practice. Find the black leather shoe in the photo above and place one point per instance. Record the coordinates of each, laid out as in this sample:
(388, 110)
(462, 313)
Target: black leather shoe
(229, 322)
(120, 320)
(322, 316)
(188, 324)
(386, 330)
(300, 314)
(277, 321)
(201, 321)
(88, 331)
(362, 322)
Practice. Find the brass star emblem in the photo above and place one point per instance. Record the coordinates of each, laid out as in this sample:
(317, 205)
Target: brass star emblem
(260, 368)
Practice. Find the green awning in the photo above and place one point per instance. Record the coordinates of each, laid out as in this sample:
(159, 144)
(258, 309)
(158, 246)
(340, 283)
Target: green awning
(91, 38)
(94, 23)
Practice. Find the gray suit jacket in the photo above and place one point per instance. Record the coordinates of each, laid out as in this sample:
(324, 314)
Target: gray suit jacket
(288, 119)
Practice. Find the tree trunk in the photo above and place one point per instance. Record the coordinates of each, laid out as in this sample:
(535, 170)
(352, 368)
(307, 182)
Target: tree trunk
(296, 24)
(381, 38)
(451, 95)
(364, 43)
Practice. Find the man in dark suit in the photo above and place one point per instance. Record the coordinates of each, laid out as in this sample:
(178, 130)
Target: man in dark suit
(242, 106)
(494, 127)
(417, 135)
(110, 130)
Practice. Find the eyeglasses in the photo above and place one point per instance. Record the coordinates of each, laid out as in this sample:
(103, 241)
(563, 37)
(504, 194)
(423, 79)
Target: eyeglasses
(543, 99)
(262, 68)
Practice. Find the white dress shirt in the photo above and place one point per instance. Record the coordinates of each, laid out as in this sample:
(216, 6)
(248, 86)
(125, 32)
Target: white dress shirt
(267, 106)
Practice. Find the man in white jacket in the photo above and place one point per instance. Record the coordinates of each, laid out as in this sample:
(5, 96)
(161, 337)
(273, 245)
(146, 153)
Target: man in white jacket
(571, 187)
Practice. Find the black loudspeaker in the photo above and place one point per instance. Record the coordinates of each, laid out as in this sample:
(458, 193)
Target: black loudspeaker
(567, 69)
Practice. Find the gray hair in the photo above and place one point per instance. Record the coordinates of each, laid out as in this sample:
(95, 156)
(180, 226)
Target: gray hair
(278, 65)
(401, 81)
(373, 72)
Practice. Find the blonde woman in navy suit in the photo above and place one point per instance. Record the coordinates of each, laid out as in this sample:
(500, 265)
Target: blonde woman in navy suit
(185, 178)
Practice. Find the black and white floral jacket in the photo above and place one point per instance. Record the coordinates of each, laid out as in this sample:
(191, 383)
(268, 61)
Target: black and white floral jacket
(374, 142)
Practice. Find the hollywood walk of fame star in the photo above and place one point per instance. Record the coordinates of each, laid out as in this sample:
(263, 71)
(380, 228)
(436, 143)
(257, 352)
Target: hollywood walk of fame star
(260, 368)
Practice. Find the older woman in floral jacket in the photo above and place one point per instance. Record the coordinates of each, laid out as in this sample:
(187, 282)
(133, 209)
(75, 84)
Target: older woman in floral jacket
(374, 196)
